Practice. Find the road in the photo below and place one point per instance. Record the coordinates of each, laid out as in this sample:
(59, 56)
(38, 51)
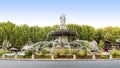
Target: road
(60, 64)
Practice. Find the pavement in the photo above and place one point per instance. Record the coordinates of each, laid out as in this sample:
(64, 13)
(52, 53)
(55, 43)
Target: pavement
(60, 64)
(28, 59)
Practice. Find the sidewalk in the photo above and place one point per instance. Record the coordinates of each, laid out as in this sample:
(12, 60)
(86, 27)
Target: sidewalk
(58, 59)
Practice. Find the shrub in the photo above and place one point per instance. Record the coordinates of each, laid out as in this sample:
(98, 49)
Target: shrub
(64, 52)
(104, 56)
(73, 52)
(1, 52)
(115, 52)
(82, 53)
(28, 53)
(101, 44)
(7, 51)
(85, 44)
(44, 51)
(43, 56)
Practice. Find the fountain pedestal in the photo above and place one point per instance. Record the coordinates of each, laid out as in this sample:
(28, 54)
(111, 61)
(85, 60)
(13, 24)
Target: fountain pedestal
(63, 39)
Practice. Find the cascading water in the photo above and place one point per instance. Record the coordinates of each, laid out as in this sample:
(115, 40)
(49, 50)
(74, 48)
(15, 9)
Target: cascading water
(60, 39)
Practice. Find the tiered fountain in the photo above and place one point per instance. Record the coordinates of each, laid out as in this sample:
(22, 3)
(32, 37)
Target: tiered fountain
(63, 33)
(61, 40)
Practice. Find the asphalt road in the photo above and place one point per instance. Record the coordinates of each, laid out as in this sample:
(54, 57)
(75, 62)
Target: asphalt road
(60, 64)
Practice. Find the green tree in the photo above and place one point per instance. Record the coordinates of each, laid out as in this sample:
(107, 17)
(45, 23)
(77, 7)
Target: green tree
(77, 28)
(111, 33)
(4, 45)
(99, 34)
(2, 35)
(87, 33)
(101, 44)
(8, 28)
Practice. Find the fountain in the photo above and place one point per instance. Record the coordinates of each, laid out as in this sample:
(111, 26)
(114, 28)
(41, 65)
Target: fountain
(62, 35)
(60, 40)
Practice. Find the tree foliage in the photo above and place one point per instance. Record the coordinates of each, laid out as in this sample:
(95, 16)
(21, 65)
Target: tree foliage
(18, 36)
(101, 44)
(111, 33)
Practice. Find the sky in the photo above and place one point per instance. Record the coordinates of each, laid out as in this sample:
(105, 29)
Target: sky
(96, 13)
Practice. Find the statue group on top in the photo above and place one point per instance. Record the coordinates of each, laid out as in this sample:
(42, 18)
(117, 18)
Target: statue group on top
(62, 22)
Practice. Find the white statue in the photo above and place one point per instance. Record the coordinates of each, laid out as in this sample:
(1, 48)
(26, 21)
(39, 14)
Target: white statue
(62, 22)
(62, 19)
(93, 45)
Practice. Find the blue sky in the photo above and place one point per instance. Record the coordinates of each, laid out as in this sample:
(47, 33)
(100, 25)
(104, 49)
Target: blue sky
(97, 13)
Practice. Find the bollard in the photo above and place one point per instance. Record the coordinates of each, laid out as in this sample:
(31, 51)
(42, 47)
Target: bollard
(33, 56)
(110, 56)
(93, 57)
(52, 57)
(3, 56)
(16, 56)
(74, 57)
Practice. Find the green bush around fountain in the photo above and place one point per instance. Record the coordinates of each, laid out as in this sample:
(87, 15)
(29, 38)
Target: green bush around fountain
(73, 52)
(63, 54)
(102, 56)
(28, 53)
(9, 57)
(99, 54)
(81, 54)
(43, 54)
(20, 57)
(1, 52)
(44, 51)
(115, 53)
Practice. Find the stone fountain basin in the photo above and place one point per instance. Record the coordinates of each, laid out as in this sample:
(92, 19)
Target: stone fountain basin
(63, 32)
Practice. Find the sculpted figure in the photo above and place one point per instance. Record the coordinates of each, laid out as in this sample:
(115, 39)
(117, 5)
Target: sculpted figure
(62, 19)
(62, 22)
